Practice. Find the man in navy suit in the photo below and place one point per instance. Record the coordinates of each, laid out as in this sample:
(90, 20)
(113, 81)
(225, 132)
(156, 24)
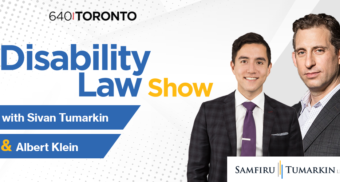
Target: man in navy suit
(244, 123)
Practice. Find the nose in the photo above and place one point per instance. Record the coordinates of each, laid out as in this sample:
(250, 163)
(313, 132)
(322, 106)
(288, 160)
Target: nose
(251, 68)
(310, 62)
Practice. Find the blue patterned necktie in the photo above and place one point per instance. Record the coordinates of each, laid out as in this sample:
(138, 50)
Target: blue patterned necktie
(248, 147)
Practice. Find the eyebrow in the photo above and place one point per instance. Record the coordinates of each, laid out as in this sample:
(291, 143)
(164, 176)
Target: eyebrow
(261, 58)
(258, 58)
(315, 47)
(243, 57)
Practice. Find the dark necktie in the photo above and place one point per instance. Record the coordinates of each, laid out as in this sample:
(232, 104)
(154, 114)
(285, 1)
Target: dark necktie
(248, 147)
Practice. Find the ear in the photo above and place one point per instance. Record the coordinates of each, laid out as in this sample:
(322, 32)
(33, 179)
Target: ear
(339, 56)
(232, 65)
(269, 68)
(294, 58)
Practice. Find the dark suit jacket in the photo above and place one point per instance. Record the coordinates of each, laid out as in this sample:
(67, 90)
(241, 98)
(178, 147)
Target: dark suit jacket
(323, 136)
(213, 137)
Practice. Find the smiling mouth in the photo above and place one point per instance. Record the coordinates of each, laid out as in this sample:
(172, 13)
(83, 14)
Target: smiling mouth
(251, 78)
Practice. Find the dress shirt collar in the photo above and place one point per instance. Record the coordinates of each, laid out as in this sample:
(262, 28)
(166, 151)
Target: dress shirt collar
(258, 100)
(306, 99)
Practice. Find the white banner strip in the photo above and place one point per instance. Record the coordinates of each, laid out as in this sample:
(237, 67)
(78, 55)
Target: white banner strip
(283, 168)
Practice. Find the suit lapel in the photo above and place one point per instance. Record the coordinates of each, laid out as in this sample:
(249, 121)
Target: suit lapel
(325, 117)
(268, 121)
(229, 117)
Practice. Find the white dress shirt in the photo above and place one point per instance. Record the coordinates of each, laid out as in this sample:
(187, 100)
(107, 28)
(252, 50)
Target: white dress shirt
(258, 113)
(309, 113)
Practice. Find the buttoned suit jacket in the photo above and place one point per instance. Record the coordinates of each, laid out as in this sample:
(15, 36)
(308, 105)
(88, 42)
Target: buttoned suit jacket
(213, 137)
(323, 136)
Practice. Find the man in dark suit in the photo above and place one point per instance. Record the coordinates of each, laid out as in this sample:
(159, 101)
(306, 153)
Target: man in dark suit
(244, 123)
(316, 55)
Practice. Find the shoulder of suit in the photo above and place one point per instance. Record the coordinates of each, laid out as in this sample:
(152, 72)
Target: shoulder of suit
(219, 99)
(297, 106)
(222, 99)
(277, 104)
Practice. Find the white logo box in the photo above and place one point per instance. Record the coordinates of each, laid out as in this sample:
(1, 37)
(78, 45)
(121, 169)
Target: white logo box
(291, 168)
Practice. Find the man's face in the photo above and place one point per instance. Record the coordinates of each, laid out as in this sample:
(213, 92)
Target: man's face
(251, 68)
(315, 58)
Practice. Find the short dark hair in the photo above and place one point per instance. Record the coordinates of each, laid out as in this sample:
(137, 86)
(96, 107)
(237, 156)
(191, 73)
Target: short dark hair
(317, 20)
(249, 38)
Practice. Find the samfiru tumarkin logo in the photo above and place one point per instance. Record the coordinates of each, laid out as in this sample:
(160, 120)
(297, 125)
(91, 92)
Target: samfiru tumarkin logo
(288, 170)
(94, 16)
